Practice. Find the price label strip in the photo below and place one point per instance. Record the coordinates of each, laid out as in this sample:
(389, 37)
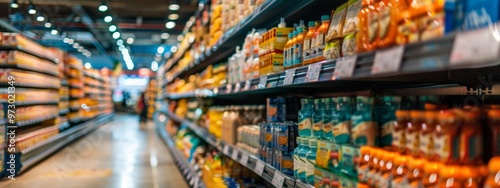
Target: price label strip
(278, 179)
(244, 159)
(229, 88)
(344, 68)
(263, 82)
(248, 83)
(388, 60)
(313, 72)
(259, 168)
(475, 48)
(234, 155)
(289, 75)
(226, 150)
(237, 87)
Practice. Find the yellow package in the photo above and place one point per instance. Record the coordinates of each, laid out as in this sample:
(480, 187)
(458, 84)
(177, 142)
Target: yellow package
(333, 49)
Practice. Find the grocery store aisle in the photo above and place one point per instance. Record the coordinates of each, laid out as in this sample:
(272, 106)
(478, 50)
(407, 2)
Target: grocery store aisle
(118, 154)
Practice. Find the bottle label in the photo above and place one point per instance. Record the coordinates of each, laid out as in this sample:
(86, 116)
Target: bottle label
(307, 50)
(384, 20)
(364, 133)
(318, 127)
(305, 127)
(399, 139)
(290, 56)
(310, 167)
(341, 131)
(320, 44)
(386, 133)
(327, 129)
(426, 144)
(373, 26)
(446, 147)
(285, 57)
(412, 142)
(297, 55)
(314, 51)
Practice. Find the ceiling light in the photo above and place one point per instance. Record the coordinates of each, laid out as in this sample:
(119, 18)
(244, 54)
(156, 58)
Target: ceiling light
(180, 37)
(31, 9)
(173, 49)
(119, 42)
(164, 35)
(48, 24)
(121, 47)
(71, 41)
(173, 16)
(76, 45)
(14, 4)
(116, 35)
(80, 49)
(54, 32)
(66, 40)
(40, 18)
(108, 19)
(103, 7)
(112, 28)
(130, 40)
(191, 39)
(160, 50)
(170, 25)
(88, 65)
(174, 6)
(154, 66)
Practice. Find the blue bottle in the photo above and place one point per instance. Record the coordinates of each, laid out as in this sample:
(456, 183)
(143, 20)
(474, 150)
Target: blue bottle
(364, 127)
(386, 116)
(311, 160)
(303, 159)
(297, 164)
(318, 116)
(342, 120)
(328, 119)
(305, 118)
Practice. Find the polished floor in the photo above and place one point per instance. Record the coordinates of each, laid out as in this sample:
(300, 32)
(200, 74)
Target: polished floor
(118, 154)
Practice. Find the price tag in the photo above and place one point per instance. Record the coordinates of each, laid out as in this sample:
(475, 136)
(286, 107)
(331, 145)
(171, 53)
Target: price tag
(289, 75)
(388, 60)
(191, 182)
(344, 68)
(313, 71)
(259, 168)
(248, 83)
(226, 150)
(244, 159)
(237, 87)
(229, 88)
(189, 176)
(234, 155)
(278, 179)
(263, 82)
(196, 182)
(475, 47)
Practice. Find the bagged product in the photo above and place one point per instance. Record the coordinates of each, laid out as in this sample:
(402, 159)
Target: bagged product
(337, 23)
(351, 19)
(333, 49)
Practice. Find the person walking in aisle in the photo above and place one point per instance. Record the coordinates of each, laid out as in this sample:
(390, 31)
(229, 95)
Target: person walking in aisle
(142, 110)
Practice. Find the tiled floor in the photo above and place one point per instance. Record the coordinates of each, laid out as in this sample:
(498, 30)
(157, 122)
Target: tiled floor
(118, 154)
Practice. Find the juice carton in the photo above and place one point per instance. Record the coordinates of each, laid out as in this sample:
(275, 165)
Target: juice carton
(350, 153)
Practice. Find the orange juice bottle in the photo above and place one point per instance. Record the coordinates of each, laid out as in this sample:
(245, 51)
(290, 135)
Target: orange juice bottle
(472, 177)
(399, 131)
(287, 52)
(428, 128)
(363, 164)
(431, 174)
(415, 172)
(362, 44)
(483, 170)
(450, 176)
(292, 49)
(377, 174)
(447, 138)
(373, 165)
(494, 126)
(494, 171)
(413, 131)
(307, 43)
(399, 171)
(389, 18)
(471, 145)
(386, 165)
(319, 36)
(299, 42)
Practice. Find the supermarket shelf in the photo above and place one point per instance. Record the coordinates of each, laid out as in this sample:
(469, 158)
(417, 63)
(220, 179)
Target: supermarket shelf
(75, 86)
(34, 154)
(18, 48)
(245, 159)
(29, 68)
(64, 82)
(29, 85)
(27, 103)
(190, 175)
(91, 76)
(38, 132)
(64, 111)
(3, 121)
(37, 120)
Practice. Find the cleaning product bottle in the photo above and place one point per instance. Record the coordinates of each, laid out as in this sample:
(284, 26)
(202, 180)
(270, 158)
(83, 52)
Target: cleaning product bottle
(318, 116)
(311, 160)
(302, 157)
(364, 128)
(450, 176)
(399, 133)
(282, 23)
(314, 53)
(297, 163)
(386, 170)
(305, 118)
(471, 177)
(307, 43)
(342, 120)
(328, 119)
(320, 34)
(287, 52)
(299, 42)
(415, 171)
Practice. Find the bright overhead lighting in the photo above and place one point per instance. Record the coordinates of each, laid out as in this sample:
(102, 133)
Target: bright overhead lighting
(71, 41)
(103, 7)
(14, 4)
(174, 6)
(180, 37)
(112, 28)
(170, 25)
(154, 66)
(173, 16)
(121, 47)
(108, 19)
(66, 40)
(54, 32)
(191, 39)
(88, 65)
(173, 49)
(130, 41)
(48, 25)
(40, 18)
(160, 50)
(164, 35)
(119, 42)
(76, 45)
(116, 35)
(80, 49)
(31, 9)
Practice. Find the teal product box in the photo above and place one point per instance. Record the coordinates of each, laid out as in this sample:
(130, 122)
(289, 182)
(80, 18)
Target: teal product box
(479, 13)
(347, 182)
(349, 155)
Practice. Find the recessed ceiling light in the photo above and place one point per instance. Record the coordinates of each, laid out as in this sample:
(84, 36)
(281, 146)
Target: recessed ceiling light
(174, 6)
(180, 37)
(14, 4)
(173, 16)
(54, 32)
(103, 7)
(76, 45)
(130, 40)
(31, 9)
(48, 25)
(40, 18)
(170, 25)
(154, 66)
(112, 28)
(121, 47)
(164, 35)
(66, 40)
(71, 41)
(116, 35)
(108, 19)
(80, 49)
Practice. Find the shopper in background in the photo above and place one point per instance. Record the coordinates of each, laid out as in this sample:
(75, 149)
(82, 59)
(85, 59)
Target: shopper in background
(125, 97)
(142, 109)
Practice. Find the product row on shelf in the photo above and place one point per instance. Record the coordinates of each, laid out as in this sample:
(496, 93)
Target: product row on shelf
(151, 94)
(42, 100)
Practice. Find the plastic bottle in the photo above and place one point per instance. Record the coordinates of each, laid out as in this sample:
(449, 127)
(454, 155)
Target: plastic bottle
(292, 50)
(307, 43)
(494, 126)
(297, 163)
(450, 176)
(375, 155)
(364, 128)
(471, 139)
(319, 113)
(399, 171)
(328, 119)
(282, 23)
(319, 36)
(412, 132)
(428, 129)
(287, 52)
(494, 171)
(313, 43)
(302, 156)
(363, 164)
(342, 120)
(305, 118)
(431, 174)
(415, 172)
(385, 174)
(447, 138)
(399, 131)
(387, 117)
(471, 177)
(299, 42)
(311, 161)
(363, 36)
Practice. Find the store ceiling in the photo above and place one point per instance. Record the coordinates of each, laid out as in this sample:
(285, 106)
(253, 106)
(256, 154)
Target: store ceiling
(142, 20)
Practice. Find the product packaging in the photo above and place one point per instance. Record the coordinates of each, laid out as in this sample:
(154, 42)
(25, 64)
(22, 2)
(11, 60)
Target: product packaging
(351, 19)
(337, 23)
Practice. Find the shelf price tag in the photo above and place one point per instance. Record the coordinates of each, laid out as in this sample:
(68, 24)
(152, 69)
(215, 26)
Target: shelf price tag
(344, 68)
(244, 159)
(289, 75)
(278, 179)
(226, 150)
(313, 72)
(248, 83)
(237, 87)
(388, 60)
(259, 168)
(229, 88)
(196, 182)
(475, 47)
(263, 82)
(234, 155)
